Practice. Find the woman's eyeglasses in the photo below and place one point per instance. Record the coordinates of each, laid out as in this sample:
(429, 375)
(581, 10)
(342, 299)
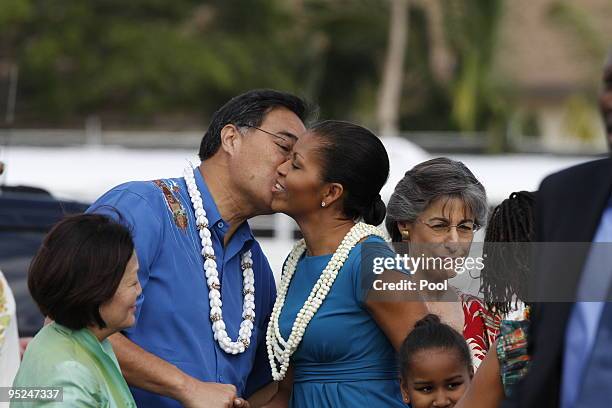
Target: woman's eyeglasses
(464, 228)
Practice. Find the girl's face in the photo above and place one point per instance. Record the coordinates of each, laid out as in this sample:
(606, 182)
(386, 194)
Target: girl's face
(437, 378)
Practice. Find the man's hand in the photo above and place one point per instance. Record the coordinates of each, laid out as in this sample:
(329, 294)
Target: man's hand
(241, 403)
(145, 370)
(200, 394)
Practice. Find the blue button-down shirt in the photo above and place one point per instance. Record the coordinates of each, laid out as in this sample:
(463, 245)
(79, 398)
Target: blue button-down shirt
(584, 318)
(173, 311)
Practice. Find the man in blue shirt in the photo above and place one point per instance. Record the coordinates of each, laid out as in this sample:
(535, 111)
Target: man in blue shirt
(176, 355)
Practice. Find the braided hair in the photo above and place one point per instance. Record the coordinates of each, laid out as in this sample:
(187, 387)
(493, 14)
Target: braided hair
(430, 333)
(505, 275)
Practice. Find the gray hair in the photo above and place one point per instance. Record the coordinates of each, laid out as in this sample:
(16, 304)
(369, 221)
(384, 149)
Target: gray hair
(429, 181)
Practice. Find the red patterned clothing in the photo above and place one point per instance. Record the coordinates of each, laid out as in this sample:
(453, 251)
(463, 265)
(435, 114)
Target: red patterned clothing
(480, 327)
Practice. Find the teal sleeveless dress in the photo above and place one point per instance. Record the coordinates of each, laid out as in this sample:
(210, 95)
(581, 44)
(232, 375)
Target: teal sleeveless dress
(344, 359)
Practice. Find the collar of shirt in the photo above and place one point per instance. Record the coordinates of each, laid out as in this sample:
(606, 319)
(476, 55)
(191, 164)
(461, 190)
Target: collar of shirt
(604, 231)
(243, 233)
(88, 339)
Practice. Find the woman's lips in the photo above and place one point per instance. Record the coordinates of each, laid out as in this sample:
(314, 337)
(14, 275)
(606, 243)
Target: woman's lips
(278, 187)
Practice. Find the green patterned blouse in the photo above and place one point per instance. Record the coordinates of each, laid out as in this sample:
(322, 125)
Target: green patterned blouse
(85, 368)
(512, 352)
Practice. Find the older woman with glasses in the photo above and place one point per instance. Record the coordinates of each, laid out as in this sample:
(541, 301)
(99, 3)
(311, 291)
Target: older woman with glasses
(433, 215)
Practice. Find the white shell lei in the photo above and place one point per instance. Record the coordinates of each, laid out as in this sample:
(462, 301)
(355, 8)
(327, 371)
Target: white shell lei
(280, 350)
(214, 285)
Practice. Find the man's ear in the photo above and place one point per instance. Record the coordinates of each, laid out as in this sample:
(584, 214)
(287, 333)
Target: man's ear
(230, 139)
(332, 193)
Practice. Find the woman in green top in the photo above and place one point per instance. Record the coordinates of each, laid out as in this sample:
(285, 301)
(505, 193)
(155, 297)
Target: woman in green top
(84, 277)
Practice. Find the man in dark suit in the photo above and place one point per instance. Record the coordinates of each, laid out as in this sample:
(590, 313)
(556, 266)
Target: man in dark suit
(570, 341)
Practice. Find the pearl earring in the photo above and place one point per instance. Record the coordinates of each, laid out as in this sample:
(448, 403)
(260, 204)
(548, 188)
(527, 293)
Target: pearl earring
(405, 235)
(322, 203)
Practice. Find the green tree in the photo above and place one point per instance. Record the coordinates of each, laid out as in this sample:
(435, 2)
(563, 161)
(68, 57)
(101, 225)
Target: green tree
(472, 28)
(145, 57)
(343, 52)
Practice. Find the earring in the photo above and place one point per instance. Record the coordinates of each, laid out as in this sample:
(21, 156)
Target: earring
(322, 203)
(405, 235)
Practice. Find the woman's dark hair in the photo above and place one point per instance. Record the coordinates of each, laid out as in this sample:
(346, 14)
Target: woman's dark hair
(505, 274)
(248, 109)
(428, 181)
(78, 268)
(431, 333)
(356, 158)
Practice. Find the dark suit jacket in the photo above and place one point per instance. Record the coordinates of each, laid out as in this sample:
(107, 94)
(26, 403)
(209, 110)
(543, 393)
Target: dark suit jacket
(568, 209)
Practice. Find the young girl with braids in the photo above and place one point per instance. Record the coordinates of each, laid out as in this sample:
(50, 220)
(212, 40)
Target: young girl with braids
(435, 365)
(505, 275)
(504, 281)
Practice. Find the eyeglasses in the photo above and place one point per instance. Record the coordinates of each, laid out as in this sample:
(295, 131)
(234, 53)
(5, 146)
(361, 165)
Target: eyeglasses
(285, 138)
(285, 143)
(465, 228)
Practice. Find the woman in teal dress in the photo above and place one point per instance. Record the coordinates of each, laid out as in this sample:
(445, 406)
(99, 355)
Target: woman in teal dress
(84, 277)
(329, 344)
